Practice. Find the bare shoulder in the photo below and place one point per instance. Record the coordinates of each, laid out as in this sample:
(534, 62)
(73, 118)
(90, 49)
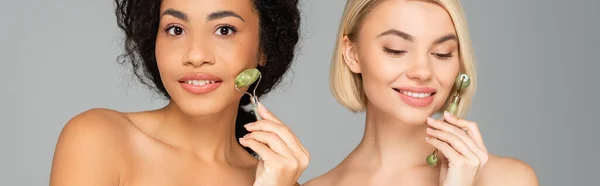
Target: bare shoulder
(500, 171)
(97, 126)
(88, 148)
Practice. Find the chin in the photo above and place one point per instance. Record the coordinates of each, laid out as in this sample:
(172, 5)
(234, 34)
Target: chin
(202, 108)
(205, 106)
(414, 116)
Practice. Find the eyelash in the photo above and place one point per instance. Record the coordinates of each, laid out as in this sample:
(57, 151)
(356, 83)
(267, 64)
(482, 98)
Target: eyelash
(400, 52)
(443, 56)
(231, 29)
(393, 52)
(169, 28)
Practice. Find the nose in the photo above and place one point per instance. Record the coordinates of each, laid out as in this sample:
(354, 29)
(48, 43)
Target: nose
(199, 54)
(420, 70)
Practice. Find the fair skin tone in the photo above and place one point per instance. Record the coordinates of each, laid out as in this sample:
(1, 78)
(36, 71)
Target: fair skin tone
(191, 141)
(412, 44)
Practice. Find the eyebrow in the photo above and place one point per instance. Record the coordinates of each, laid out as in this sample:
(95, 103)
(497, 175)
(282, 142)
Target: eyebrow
(398, 33)
(411, 38)
(223, 14)
(213, 16)
(175, 13)
(446, 38)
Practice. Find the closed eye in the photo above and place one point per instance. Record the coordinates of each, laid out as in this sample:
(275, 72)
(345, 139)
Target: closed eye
(393, 52)
(443, 55)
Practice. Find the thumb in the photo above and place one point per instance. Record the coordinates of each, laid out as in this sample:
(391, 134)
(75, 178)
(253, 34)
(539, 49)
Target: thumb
(266, 114)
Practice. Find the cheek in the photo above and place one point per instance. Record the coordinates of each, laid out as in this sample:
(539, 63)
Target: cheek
(376, 67)
(169, 55)
(446, 72)
(241, 53)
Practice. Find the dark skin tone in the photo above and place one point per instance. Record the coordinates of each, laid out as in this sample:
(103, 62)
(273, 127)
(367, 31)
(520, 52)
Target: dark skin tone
(191, 141)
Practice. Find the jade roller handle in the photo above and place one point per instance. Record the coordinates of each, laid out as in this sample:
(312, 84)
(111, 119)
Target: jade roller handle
(462, 81)
(255, 108)
(246, 78)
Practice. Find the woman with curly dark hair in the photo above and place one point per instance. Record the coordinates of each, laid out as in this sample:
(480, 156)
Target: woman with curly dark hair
(191, 53)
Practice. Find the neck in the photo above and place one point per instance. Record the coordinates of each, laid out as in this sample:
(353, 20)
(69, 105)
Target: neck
(210, 137)
(392, 144)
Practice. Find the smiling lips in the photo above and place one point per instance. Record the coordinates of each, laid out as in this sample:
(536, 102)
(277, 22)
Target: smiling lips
(200, 83)
(416, 96)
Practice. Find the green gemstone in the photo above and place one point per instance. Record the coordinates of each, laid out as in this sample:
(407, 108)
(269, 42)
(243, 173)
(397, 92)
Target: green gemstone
(247, 77)
(452, 108)
(464, 78)
(432, 160)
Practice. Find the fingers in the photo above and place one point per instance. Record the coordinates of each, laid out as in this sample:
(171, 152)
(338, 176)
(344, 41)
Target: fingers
(451, 132)
(283, 133)
(460, 134)
(469, 126)
(274, 125)
(260, 148)
(457, 144)
(272, 141)
(444, 148)
(266, 114)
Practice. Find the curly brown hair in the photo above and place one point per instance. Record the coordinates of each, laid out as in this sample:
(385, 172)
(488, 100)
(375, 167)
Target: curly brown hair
(279, 34)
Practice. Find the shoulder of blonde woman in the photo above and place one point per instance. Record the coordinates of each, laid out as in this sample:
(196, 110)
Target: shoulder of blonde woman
(501, 171)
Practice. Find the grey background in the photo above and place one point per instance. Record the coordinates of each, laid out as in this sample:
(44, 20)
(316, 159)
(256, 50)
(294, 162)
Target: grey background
(537, 99)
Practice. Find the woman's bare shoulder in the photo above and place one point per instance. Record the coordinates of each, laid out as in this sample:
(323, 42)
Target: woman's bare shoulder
(88, 148)
(97, 122)
(500, 171)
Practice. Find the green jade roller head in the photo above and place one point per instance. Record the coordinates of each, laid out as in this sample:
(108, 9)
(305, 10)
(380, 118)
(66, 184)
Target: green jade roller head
(246, 78)
(462, 82)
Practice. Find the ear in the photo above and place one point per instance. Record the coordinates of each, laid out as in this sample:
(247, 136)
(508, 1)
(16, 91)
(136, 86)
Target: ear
(262, 60)
(350, 55)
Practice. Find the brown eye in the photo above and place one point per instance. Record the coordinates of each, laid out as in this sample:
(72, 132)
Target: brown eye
(174, 30)
(225, 30)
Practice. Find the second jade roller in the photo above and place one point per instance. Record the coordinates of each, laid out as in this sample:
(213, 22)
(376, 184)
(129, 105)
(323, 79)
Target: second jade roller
(247, 78)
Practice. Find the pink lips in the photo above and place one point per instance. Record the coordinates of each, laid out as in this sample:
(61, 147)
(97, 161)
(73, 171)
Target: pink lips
(416, 96)
(200, 83)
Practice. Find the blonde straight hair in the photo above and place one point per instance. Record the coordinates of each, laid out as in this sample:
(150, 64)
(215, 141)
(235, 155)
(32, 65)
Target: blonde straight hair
(346, 86)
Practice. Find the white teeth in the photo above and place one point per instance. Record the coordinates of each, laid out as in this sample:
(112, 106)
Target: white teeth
(199, 82)
(415, 95)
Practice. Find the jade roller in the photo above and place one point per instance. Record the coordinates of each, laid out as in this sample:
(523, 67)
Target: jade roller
(246, 78)
(462, 82)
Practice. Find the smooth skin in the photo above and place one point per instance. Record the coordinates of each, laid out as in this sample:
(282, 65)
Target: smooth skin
(191, 141)
(407, 43)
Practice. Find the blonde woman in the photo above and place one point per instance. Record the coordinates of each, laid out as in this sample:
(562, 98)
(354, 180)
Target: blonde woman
(397, 60)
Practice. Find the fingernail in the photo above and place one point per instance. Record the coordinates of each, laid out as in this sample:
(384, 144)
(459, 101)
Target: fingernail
(429, 119)
(429, 129)
(448, 114)
(262, 107)
(249, 125)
